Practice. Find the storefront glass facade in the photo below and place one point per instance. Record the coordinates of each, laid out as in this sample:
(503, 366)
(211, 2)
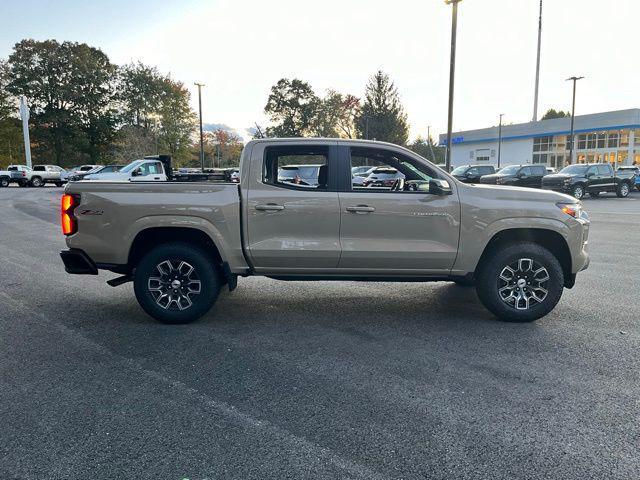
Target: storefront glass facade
(619, 147)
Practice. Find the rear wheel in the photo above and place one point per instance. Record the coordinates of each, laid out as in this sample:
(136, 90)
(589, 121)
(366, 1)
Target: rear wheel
(578, 191)
(37, 182)
(58, 184)
(4, 182)
(520, 283)
(623, 190)
(176, 283)
(22, 184)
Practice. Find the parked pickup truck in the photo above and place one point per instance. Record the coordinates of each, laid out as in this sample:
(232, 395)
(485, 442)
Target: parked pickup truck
(180, 241)
(43, 174)
(631, 170)
(20, 174)
(591, 178)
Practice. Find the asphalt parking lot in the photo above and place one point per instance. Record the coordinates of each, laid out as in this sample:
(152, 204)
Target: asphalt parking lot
(315, 380)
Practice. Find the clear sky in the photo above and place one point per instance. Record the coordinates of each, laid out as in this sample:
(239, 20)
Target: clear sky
(239, 48)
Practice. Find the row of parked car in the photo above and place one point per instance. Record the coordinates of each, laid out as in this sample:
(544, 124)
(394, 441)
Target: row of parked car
(577, 180)
(40, 175)
(146, 169)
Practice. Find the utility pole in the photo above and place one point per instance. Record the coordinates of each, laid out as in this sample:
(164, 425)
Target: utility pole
(573, 116)
(200, 85)
(452, 71)
(433, 157)
(535, 96)
(500, 139)
(24, 114)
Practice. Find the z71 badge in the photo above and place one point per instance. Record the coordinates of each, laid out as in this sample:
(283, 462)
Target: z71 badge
(91, 212)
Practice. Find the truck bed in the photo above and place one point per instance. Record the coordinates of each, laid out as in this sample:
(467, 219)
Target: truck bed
(112, 214)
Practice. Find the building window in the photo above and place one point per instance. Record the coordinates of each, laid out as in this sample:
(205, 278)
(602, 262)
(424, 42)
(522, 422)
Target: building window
(483, 155)
(540, 158)
(613, 139)
(602, 140)
(636, 157)
(624, 138)
(542, 144)
(591, 141)
(622, 156)
(582, 141)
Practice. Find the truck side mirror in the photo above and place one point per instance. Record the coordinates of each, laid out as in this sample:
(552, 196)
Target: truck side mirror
(439, 187)
(135, 173)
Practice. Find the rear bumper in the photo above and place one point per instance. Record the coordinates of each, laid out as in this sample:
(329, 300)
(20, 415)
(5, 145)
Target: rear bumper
(77, 262)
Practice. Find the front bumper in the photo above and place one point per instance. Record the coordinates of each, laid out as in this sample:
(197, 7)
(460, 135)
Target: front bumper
(77, 262)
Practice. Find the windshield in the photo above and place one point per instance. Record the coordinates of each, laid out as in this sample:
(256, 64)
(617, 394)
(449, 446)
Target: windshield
(573, 169)
(510, 170)
(459, 171)
(132, 166)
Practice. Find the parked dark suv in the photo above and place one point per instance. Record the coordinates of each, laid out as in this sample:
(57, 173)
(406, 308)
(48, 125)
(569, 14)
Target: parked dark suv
(472, 173)
(594, 178)
(517, 176)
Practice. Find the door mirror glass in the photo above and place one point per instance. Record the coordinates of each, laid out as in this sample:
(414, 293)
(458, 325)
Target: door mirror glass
(135, 173)
(439, 187)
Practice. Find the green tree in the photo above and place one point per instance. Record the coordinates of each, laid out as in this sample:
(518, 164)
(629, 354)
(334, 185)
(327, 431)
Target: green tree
(382, 115)
(428, 149)
(552, 113)
(177, 120)
(335, 115)
(11, 143)
(69, 88)
(292, 106)
(140, 90)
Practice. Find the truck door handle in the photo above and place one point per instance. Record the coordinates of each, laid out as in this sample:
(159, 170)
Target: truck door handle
(361, 209)
(270, 207)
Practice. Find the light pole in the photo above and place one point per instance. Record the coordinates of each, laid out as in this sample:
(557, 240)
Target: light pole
(452, 71)
(573, 116)
(200, 85)
(500, 139)
(535, 95)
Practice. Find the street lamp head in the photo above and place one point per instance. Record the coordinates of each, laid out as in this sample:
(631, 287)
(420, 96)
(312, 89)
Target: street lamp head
(449, 2)
(574, 78)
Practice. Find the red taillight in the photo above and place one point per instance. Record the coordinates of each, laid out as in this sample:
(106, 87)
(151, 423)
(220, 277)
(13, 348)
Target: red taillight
(68, 220)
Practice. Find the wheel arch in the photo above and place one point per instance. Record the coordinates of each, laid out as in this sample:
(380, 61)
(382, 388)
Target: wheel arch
(151, 237)
(549, 239)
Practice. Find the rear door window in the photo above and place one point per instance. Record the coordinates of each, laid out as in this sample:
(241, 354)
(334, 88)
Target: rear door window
(297, 167)
(604, 170)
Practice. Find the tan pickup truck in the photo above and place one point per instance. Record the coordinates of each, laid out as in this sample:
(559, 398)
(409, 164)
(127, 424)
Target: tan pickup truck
(298, 213)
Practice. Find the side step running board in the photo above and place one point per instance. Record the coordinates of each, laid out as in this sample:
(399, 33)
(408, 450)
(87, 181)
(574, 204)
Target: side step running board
(114, 282)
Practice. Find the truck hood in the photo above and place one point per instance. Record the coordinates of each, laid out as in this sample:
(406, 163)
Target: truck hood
(506, 192)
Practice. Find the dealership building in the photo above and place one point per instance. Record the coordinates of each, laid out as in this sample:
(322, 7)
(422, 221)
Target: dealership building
(601, 137)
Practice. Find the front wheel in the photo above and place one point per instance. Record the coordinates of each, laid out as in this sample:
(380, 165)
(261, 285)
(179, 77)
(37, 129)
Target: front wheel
(520, 283)
(578, 191)
(176, 283)
(4, 182)
(623, 190)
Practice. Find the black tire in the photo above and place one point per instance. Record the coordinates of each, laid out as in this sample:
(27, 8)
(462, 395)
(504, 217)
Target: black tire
(36, 182)
(22, 184)
(578, 191)
(623, 190)
(4, 182)
(489, 282)
(150, 283)
(463, 282)
(594, 194)
(638, 187)
(58, 184)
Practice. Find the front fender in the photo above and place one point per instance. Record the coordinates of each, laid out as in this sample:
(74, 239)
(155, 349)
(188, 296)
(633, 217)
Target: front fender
(476, 237)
